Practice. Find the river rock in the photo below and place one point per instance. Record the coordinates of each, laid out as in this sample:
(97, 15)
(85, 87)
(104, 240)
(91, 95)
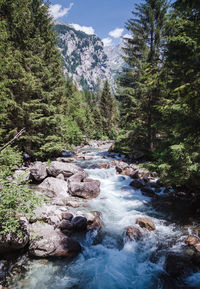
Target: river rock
(146, 223)
(129, 172)
(120, 167)
(138, 184)
(105, 165)
(38, 171)
(73, 203)
(177, 264)
(197, 231)
(66, 225)
(94, 166)
(48, 213)
(147, 191)
(57, 186)
(134, 174)
(88, 190)
(49, 242)
(87, 158)
(60, 177)
(191, 240)
(78, 177)
(154, 184)
(12, 242)
(4, 267)
(94, 221)
(133, 233)
(65, 160)
(197, 247)
(79, 223)
(67, 169)
(67, 216)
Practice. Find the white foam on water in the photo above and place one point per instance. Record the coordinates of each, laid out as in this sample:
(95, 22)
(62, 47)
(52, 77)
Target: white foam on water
(111, 264)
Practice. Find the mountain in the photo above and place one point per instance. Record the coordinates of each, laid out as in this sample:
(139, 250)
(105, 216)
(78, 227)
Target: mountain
(114, 54)
(85, 59)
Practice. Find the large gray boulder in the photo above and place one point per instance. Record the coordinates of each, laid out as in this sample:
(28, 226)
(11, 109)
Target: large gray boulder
(57, 186)
(66, 169)
(78, 177)
(48, 213)
(88, 189)
(12, 242)
(38, 171)
(49, 242)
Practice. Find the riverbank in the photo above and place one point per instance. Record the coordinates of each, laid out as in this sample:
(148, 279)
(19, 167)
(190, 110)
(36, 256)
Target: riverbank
(111, 223)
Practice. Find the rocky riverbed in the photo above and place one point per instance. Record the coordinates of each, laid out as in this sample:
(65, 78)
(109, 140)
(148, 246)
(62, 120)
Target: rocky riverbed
(100, 205)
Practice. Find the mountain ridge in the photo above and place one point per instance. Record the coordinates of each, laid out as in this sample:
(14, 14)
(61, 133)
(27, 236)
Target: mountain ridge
(85, 59)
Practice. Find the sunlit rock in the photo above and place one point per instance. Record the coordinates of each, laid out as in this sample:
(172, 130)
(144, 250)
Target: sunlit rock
(146, 223)
(57, 186)
(67, 169)
(133, 233)
(191, 240)
(38, 171)
(88, 189)
(49, 242)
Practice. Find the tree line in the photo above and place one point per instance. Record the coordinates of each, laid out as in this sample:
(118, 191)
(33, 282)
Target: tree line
(34, 94)
(158, 109)
(159, 91)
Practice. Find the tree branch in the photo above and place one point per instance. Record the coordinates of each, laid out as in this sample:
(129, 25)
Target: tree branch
(12, 140)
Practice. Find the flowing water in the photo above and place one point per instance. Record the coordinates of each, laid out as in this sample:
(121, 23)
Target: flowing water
(112, 262)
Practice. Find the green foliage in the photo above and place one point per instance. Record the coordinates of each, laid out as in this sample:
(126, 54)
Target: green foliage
(143, 55)
(72, 132)
(16, 198)
(10, 159)
(32, 81)
(107, 108)
(160, 102)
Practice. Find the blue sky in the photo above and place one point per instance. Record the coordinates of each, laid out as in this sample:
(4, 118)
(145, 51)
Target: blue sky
(106, 18)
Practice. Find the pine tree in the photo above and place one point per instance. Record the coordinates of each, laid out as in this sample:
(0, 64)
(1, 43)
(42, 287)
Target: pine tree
(144, 56)
(180, 156)
(98, 134)
(107, 110)
(37, 84)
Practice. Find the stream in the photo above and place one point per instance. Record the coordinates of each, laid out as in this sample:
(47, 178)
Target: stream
(109, 260)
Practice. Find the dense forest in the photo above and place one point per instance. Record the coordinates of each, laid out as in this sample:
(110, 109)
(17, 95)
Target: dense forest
(157, 111)
(159, 95)
(34, 93)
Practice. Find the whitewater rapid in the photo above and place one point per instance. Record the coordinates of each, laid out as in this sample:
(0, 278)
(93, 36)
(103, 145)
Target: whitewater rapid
(109, 261)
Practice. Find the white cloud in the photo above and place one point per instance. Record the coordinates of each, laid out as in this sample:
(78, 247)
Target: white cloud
(116, 33)
(129, 36)
(87, 29)
(107, 41)
(58, 11)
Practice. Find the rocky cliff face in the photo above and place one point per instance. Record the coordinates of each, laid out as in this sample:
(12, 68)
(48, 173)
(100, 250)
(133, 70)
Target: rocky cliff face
(85, 59)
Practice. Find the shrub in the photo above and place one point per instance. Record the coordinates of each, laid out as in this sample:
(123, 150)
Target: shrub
(16, 197)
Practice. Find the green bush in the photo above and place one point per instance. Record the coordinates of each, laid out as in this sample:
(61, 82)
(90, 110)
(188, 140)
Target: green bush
(10, 159)
(16, 198)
